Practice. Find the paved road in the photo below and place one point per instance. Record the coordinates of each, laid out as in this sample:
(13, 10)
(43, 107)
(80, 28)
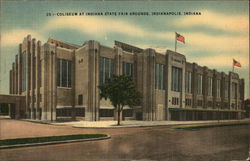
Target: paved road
(149, 143)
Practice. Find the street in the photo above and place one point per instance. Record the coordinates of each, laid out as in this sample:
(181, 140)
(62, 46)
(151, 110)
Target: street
(147, 143)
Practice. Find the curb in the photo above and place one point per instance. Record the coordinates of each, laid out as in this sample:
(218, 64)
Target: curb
(41, 122)
(135, 126)
(118, 127)
(53, 142)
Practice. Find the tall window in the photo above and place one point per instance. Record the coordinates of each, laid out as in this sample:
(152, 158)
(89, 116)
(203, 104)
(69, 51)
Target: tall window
(234, 90)
(127, 69)
(188, 82)
(159, 76)
(80, 99)
(209, 86)
(106, 69)
(199, 89)
(63, 73)
(218, 88)
(226, 89)
(34, 71)
(24, 71)
(176, 79)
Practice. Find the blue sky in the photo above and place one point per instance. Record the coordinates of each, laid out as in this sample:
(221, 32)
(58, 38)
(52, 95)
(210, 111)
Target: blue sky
(213, 38)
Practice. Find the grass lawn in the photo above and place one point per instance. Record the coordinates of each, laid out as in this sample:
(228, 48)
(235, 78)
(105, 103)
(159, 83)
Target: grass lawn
(218, 124)
(19, 141)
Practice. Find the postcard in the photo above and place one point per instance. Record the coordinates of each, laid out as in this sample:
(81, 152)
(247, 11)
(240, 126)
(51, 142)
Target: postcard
(124, 80)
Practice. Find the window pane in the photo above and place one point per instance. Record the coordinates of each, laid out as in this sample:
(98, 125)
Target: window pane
(69, 73)
(159, 76)
(106, 69)
(176, 79)
(58, 72)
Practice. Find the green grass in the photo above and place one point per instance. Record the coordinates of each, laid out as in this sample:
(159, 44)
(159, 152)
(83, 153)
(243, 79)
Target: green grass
(218, 124)
(49, 139)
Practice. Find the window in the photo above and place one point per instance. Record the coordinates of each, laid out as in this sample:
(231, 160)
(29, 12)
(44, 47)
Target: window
(159, 76)
(106, 69)
(106, 113)
(24, 71)
(80, 99)
(234, 90)
(80, 112)
(199, 103)
(127, 69)
(209, 104)
(209, 86)
(176, 79)
(63, 73)
(63, 112)
(188, 82)
(40, 73)
(199, 89)
(188, 102)
(226, 89)
(175, 101)
(218, 88)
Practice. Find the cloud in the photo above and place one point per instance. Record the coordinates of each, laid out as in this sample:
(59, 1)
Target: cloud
(232, 23)
(14, 37)
(102, 26)
(95, 26)
(216, 43)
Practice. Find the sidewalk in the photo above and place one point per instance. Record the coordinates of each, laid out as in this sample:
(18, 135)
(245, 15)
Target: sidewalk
(134, 123)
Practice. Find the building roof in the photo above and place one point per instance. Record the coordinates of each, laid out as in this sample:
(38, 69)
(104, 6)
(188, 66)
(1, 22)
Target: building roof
(63, 43)
(127, 47)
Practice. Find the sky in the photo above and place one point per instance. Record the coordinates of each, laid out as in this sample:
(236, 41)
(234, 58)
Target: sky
(213, 39)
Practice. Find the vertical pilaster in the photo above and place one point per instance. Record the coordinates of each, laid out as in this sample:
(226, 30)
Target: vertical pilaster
(237, 95)
(118, 61)
(37, 80)
(44, 67)
(167, 86)
(230, 91)
(92, 112)
(14, 78)
(28, 76)
(194, 85)
(222, 92)
(183, 92)
(49, 85)
(16, 74)
(10, 82)
(73, 68)
(32, 78)
(148, 84)
(205, 86)
(20, 70)
(54, 85)
(214, 89)
(118, 71)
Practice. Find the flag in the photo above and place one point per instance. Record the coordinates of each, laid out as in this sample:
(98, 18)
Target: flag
(236, 63)
(179, 37)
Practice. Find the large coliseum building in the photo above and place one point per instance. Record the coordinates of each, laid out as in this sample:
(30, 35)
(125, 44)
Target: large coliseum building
(59, 80)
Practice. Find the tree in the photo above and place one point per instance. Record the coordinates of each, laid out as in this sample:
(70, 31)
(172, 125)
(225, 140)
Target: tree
(121, 91)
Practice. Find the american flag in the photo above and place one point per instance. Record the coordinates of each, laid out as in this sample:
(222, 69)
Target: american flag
(236, 63)
(180, 38)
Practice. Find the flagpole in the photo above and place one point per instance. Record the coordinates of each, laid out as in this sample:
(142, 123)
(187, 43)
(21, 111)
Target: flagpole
(175, 43)
(233, 68)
